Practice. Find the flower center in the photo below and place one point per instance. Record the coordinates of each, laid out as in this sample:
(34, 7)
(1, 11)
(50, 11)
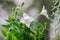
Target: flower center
(26, 18)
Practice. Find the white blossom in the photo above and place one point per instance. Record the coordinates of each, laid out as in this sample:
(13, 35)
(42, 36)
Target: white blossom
(26, 19)
(44, 12)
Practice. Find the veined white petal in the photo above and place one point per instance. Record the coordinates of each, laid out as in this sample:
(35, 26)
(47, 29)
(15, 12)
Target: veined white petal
(25, 16)
(31, 19)
(22, 20)
(27, 23)
(47, 16)
(26, 19)
(44, 12)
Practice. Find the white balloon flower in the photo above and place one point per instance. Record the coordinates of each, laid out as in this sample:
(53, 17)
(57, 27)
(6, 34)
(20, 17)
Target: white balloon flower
(44, 12)
(26, 19)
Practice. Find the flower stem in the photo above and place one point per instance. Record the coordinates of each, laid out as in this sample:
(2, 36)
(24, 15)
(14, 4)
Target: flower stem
(37, 16)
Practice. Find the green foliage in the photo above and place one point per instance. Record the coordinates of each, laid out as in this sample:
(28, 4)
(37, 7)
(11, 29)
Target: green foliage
(57, 37)
(56, 13)
(22, 4)
(15, 30)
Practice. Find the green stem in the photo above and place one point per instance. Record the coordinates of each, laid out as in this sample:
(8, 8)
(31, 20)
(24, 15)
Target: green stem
(37, 16)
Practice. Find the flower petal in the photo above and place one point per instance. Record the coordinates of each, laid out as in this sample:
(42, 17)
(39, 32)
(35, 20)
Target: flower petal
(44, 12)
(25, 16)
(26, 19)
(31, 19)
(22, 20)
(28, 24)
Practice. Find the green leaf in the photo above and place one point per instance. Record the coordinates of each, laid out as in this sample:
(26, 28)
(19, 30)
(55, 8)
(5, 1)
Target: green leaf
(13, 37)
(32, 23)
(41, 25)
(22, 4)
(7, 26)
(16, 23)
(10, 19)
(4, 32)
